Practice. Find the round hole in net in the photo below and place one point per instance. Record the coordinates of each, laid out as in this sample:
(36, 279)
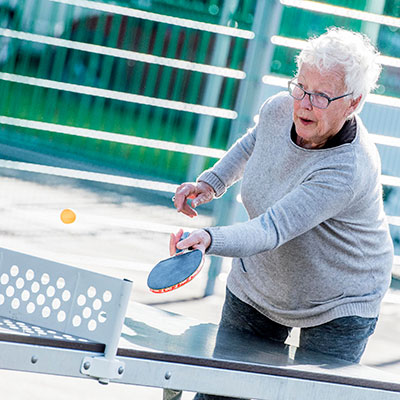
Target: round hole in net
(66, 295)
(91, 292)
(86, 313)
(4, 279)
(20, 283)
(1, 299)
(56, 303)
(51, 291)
(61, 316)
(60, 283)
(107, 296)
(29, 275)
(14, 270)
(30, 308)
(92, 325)
(102, 317)
(45, 279)
(25, 295)
(97, 304)
(15, 303)
(81, 300)
(35, 287)
(40, 299)
(10, 291)
(46, 312)
(76, 321)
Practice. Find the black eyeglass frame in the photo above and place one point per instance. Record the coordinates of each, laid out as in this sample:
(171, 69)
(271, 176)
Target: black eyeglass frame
(310, 94)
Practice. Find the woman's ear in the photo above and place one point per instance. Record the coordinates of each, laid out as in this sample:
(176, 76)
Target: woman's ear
(353, 105)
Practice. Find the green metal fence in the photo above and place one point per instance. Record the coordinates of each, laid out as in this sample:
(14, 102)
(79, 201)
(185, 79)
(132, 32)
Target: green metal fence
(112, 69)
(144, 69)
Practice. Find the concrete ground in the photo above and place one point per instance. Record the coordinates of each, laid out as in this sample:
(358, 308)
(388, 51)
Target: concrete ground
(123, 233)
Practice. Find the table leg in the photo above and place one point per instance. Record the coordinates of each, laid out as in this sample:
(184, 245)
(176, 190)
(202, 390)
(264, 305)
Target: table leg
(170, 394)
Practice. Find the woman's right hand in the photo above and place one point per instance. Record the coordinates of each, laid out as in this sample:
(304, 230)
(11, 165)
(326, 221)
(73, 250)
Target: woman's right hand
(198, 192)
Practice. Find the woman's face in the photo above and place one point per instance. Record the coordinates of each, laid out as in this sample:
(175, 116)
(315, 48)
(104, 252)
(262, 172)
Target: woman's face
(314, 126)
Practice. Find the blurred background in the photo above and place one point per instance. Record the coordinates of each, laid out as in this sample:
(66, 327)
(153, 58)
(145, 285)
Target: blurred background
(106, 106)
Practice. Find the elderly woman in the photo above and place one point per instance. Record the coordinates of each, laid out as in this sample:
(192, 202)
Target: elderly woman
(316, 252)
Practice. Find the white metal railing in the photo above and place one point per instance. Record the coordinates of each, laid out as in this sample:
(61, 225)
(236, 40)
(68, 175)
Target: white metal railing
(89, 176)
(125, 54)
(112, 137)
(299, 45)
(122, 96)
(343, 12)
(150, 16)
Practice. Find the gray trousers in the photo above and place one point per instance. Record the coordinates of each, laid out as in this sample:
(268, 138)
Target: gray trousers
(344, 338)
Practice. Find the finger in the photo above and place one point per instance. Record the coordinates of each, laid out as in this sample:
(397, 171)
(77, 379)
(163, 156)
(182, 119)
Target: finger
(202, 199)
(203, 240)
(201, 247)
(174, 239)
(172, 244)
(189, 211)
(182, 193)
(195, 240)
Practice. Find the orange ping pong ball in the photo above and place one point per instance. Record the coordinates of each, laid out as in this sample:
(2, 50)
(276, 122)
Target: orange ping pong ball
(67, 216)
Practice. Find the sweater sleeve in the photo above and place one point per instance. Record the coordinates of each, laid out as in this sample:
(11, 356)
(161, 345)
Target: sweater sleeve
(320, 197)
(229, 169)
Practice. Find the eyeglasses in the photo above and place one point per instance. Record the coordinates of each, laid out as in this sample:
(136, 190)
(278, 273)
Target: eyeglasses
(319, 100)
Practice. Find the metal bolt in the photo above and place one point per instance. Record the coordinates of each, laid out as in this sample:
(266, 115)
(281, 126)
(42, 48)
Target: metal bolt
(167, 375)
(121, 370)
(86, 365)
(34, 359)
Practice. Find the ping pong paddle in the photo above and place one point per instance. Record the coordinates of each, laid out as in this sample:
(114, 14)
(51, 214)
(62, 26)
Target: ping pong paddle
(176, 271)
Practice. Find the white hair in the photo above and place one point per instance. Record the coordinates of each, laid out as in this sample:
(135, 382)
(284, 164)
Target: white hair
(351, 51)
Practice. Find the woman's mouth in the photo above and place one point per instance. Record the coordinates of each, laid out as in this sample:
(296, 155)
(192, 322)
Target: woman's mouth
(305, 121)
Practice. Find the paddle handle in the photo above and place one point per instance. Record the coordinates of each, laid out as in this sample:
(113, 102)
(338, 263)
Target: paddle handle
(184, 236)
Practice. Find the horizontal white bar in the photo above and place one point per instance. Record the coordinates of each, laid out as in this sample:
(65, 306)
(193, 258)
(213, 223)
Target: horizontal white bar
(342, 12)
(390, 180)
(385, 140)
(125, 54)
(300, 44)
(112, 137)
(383, 100)
(371, 98)
(186, 23)
(394, 220)
(89, 176)
(122, 96)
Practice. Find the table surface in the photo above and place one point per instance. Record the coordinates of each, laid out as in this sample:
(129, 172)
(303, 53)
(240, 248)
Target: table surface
(150, 333)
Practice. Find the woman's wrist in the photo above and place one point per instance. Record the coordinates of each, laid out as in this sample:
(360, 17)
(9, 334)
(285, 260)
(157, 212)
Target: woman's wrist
(209, 234)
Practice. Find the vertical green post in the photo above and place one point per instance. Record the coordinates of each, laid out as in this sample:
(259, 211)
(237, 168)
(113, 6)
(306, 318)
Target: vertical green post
(212, 91)
(267, 19)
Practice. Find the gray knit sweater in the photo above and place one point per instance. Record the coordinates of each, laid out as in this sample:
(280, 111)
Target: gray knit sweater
(317, 245)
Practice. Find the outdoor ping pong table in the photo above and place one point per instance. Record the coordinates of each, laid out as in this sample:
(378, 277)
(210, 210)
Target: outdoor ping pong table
(57, 319)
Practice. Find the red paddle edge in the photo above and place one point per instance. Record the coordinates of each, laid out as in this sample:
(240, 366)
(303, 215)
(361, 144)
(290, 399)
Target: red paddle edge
(180, 284)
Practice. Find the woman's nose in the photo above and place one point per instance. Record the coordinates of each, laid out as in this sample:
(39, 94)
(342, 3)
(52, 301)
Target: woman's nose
(305, 102)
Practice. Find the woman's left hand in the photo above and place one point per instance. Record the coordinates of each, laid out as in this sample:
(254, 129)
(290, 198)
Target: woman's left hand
(198, 239)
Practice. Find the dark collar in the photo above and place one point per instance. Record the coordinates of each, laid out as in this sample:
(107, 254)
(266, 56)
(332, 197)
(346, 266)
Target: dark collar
(345, 135)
